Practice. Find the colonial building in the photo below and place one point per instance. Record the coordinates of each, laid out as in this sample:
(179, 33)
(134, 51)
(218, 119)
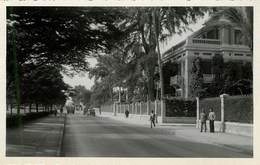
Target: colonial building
(218, 38)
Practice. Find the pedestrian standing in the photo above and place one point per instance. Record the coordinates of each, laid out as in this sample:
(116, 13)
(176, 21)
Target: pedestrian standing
(126, 113)
(152, 119)
(203, 119)
(212, 117)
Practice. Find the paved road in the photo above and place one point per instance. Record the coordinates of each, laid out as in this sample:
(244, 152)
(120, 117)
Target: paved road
(103, 137)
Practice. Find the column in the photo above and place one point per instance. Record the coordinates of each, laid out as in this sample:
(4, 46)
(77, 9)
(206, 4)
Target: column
(222, 99)
(186, 76)
(224, 35)
(198, 112)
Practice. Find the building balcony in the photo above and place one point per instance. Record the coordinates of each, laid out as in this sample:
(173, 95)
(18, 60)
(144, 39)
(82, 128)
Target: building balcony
(205, 41)
(176, 80)
(208, 78)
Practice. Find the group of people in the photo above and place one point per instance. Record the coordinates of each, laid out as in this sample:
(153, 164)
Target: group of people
(203, 119)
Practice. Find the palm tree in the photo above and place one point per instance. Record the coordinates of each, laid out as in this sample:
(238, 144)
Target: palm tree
(241, 17)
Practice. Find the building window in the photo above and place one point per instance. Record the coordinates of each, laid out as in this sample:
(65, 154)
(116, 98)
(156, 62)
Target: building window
(207, 54)
(249, 55)
(197, 53)
(238, 54)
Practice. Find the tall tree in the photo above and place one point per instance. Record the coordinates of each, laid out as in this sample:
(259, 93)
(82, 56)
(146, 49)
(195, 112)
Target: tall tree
(196, 78)
(57, 36)
(239, 17)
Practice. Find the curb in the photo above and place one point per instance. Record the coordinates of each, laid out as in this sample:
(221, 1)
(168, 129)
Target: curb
(227, 146)
(60, 147)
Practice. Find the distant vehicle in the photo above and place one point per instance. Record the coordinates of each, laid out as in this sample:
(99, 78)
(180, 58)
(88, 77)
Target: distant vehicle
(91, 112)
(69, 105)
(70, 110)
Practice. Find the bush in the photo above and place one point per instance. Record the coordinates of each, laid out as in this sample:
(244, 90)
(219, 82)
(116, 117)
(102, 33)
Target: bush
(214, 103)
(19, 120)
(180, 108)
(239, 109)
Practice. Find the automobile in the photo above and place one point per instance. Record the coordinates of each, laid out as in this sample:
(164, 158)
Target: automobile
(91, 112)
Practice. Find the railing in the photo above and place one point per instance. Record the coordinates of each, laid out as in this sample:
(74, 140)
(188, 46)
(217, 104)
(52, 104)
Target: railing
(176, 80)
(11, 109)
(206, 41)
(136, 108)
(208, 78)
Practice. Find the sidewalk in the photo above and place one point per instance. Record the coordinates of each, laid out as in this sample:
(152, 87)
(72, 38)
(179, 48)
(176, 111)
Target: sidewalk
(190, 132)
(42, 137)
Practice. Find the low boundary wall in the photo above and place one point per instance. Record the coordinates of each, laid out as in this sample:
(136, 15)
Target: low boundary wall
(232, 127)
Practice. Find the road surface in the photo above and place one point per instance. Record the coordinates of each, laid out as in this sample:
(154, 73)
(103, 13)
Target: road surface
(103, 137)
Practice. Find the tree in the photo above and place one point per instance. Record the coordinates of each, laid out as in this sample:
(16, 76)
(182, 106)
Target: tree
(169, 70)
(239, 17)
(238, 78)
(196, 78)
(57, 36)
(81, 95)
(41, 86)
(217, 64)
(151, 25)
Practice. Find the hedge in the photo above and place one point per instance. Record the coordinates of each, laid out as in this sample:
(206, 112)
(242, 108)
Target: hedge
(214, 103)
(180, 108)
(239, 109)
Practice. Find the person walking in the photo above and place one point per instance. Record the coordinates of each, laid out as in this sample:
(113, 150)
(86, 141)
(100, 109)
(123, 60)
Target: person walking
(212, 117)
(203, 120)
(152, 119)
(126, 113)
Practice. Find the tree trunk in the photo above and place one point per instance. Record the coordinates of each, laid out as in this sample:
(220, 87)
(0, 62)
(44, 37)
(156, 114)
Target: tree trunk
(150, 88)
(159, 54)
(11, 109)
(30, 107)
(37, 107)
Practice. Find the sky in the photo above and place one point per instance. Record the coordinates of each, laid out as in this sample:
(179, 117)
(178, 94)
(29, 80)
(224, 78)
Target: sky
(83, 79)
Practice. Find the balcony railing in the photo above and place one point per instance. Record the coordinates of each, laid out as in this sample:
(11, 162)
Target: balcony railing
(206, 41)
(176, 80)
(208, 78)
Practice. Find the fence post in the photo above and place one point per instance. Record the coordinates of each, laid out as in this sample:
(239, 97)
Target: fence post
(136, 108)
(114, 108)
(148, 106)
(140, 105)
(163, 110)
(222, 99)
(155, 106)
(120, 107)
(198, 112)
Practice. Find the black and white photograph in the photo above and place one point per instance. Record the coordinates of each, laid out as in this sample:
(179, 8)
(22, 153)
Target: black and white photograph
(129, 81)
